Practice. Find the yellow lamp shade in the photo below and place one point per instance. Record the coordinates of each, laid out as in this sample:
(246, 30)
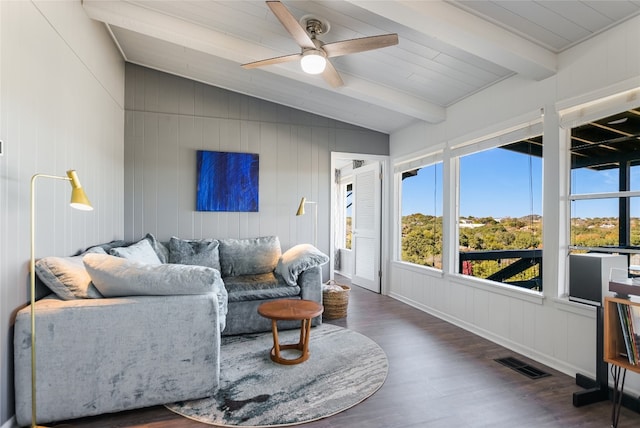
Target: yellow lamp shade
(79, 199)
(301, 207)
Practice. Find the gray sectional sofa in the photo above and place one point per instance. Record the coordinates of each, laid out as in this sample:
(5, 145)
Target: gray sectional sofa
(131, 325)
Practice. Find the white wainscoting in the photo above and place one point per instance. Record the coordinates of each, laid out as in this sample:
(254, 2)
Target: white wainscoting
(346, 262)
(555, 332)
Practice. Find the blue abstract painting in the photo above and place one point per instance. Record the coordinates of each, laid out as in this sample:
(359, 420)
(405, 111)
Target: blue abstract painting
(227, 181)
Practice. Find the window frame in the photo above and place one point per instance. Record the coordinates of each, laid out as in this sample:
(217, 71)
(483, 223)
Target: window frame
(421, 160)
(572, 114)
(576, 115)
(517, 132)
(399, 171)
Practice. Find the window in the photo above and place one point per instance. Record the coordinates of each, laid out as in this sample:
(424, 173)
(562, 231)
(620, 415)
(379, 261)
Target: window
(605, 186)
(421, 212)
(348, 210)
(500, 211)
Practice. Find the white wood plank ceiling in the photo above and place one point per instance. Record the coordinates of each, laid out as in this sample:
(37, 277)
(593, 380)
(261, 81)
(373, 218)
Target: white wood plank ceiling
(447, 50)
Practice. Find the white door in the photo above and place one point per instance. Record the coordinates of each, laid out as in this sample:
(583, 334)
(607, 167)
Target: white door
(366, 226)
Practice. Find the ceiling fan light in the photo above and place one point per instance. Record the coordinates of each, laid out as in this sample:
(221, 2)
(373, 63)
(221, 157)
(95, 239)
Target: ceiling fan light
(313, 62)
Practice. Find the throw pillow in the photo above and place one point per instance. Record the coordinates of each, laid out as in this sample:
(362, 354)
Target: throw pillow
(117, 277)
(141, 252)
(67, 276)
(251, 256)
(202, 252)
(297, 259)
(161, 250)
(107, 246)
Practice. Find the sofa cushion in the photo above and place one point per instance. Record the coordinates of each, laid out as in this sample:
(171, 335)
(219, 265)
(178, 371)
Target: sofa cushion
(117, 277)
(201, 252)
(258, 287)
(251, 256)
(67, 276)
(141, 251)
(297, 259)
(160, 248)
(108, 245)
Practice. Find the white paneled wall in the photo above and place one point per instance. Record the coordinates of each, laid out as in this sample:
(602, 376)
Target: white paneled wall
(547, 328)
(61, 107)
(346, 262)
(169, 118)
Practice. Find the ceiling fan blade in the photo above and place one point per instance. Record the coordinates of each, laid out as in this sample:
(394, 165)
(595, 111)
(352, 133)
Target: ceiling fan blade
(346, 47)
(290, 23)
(331, 75)
(271, 61)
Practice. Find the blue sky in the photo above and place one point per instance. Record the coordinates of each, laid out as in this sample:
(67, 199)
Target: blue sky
(496, 183)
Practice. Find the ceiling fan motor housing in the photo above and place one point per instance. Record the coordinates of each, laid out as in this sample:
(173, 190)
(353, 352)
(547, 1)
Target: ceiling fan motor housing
(314, 25)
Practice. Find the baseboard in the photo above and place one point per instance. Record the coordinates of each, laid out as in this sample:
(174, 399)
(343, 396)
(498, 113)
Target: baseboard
(11, 423)
(547, 360)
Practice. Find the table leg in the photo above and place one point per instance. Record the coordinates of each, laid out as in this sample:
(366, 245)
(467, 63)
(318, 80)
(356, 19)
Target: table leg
(302, 345)
(302, 336)
(276, 340)
(306, 328)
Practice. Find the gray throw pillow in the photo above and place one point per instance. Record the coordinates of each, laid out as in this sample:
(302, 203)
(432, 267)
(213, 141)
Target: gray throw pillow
(117, 277)
(161, 250)
(67, 276)
(141, 252)
(107, 246)
(201, 252)
(297, 259)
(251, 256)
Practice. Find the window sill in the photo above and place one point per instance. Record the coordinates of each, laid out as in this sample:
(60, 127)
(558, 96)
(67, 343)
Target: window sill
(436, 273)
(566, 305)
(498, 288)
(489, 286)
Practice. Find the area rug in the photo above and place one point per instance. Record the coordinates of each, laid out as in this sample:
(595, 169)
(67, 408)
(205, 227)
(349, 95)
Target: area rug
(344, 368)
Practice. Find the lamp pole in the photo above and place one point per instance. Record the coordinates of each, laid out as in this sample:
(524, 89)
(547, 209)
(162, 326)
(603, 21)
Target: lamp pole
(79, 201)
(315, 223)
(301, 211)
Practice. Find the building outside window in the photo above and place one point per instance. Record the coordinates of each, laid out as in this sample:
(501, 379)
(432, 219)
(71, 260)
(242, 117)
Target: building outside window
(605, 187)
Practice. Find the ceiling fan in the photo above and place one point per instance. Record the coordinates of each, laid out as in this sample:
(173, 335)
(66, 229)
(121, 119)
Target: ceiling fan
(314, 58)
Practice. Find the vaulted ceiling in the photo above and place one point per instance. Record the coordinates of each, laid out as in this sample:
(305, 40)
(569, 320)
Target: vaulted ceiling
(447, 50)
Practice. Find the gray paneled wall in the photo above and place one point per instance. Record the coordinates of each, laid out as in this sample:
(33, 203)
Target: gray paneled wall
(169, 118)
(62, 107)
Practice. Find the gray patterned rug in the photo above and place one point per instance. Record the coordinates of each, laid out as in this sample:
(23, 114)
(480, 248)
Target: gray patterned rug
(344, 369)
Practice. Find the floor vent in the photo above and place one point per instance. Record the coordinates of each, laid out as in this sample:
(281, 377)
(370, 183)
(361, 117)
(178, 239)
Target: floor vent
(522, 367)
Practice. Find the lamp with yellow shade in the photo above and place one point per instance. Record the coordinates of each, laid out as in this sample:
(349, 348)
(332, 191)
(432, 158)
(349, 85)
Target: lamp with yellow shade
(301, 211)
(79, 201)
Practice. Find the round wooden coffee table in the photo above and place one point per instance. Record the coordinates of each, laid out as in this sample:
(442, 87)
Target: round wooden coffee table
(291, 310)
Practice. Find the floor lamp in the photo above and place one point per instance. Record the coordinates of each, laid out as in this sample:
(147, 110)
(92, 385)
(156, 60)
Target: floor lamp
(79, 201)
(303, 202)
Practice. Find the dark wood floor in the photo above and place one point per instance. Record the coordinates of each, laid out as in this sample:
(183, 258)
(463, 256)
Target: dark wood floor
(439, 376)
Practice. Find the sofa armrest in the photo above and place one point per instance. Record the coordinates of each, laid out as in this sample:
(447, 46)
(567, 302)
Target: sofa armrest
(297, 260)
(107, 355)
(310, 283)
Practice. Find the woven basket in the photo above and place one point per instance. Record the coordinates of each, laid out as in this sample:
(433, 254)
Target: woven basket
(335, 302)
